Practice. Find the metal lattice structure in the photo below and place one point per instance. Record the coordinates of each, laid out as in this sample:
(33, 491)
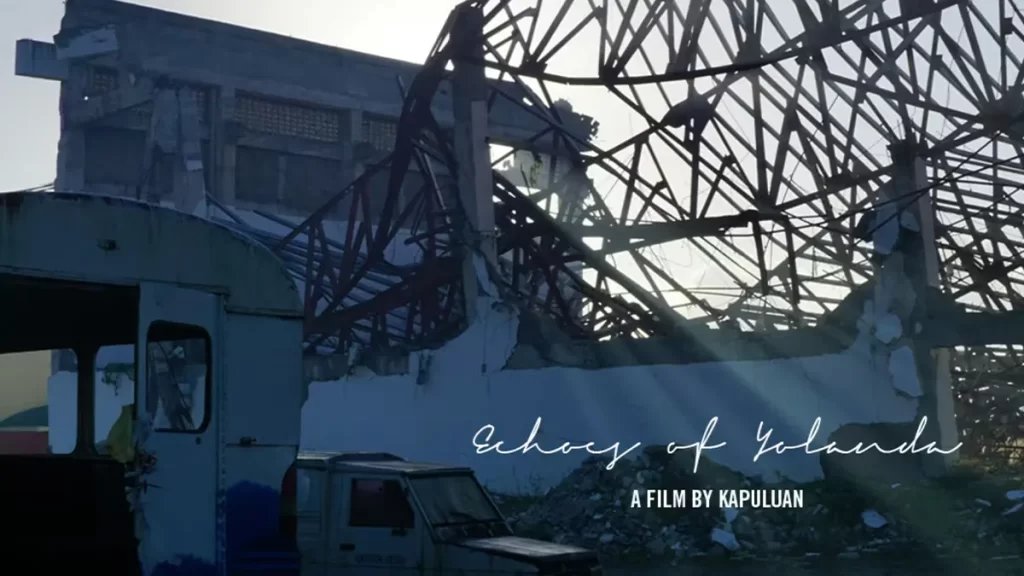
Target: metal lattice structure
(750, 137)
(702, 162)
(789, 138)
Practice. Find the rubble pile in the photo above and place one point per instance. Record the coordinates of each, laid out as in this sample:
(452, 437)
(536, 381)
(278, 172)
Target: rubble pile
(966, 515)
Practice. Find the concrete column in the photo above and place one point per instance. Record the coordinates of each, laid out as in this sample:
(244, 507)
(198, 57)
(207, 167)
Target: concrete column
(472, 153)
(190, 169)
(71, 147)
(223, 147)
(282, 178)
(85, 435)
(922, 268)
(351, 135)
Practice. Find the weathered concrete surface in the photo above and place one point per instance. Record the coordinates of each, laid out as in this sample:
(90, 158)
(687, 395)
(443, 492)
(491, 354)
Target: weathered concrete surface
(434, 409)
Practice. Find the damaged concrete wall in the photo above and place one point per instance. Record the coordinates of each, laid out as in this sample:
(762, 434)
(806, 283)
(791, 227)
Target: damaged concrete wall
(433, 410)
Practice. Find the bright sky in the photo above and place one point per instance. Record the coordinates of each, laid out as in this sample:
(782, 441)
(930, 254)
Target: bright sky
(404, 29)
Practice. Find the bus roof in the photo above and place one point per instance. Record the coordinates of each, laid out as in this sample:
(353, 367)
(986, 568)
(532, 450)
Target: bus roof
(119, 241)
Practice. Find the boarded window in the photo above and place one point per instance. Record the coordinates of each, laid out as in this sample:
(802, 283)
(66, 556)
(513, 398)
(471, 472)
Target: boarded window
(286, 119)
(114, 156)
(380, 132)
(310, 181)
(256, 175)
(202, 98)
(100, 81)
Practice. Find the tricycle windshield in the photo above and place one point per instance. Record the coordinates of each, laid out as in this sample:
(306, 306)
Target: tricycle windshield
(452, 499)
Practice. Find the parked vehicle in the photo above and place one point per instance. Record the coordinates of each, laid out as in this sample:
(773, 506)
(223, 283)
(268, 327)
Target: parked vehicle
(369, 514)
(211, 325)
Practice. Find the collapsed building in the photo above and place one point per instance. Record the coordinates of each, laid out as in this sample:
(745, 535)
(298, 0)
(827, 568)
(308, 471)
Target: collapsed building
(449, 286)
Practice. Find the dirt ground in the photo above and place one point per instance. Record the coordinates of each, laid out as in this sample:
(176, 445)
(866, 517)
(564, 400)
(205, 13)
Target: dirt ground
(813, 567)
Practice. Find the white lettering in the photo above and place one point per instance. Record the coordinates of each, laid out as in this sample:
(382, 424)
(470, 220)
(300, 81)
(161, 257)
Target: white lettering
(859, 448)
(701, 446)
(482, 442)
(531, 444)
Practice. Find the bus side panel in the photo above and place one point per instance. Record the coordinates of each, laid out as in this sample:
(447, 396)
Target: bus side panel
(265, 383)
(262, 424)
(256, 541)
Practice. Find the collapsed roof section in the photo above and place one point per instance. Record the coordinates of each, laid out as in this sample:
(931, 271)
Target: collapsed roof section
(736, 117)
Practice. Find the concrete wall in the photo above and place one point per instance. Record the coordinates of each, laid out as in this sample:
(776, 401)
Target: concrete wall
(433, 411)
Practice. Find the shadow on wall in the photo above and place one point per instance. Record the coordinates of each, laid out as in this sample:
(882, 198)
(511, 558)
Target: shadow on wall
(436, 417)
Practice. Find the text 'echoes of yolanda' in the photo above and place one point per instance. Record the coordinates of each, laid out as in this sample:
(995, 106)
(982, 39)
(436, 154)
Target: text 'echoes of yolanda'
(736, 499)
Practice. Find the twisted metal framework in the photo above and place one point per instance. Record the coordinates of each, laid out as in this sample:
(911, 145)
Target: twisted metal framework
(785, 137)
(737, 133)
(747, 137)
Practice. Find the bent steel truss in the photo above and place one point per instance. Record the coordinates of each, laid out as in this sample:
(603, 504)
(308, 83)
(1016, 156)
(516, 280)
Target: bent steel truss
(749, 137)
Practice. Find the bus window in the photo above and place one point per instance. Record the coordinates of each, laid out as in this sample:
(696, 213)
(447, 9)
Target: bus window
(38, 402)
(178, 384)
(114, 391)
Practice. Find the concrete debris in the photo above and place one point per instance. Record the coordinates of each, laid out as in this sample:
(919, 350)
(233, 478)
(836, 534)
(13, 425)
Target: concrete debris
(872, 519)
(888, 328)
(730, 515)
(591, 508)
(726, 539)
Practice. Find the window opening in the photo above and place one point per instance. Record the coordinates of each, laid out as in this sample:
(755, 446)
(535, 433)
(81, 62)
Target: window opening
(178, 380)
(379, 504)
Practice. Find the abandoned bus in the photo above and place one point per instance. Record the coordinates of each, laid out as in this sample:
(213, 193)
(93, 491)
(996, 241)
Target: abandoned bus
(196, 333)
(199, 330)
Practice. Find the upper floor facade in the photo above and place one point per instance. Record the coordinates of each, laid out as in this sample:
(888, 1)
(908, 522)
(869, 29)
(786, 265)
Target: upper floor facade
(277, 123)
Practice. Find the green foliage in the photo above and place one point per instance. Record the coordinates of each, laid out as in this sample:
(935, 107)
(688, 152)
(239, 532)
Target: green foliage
(113, 372)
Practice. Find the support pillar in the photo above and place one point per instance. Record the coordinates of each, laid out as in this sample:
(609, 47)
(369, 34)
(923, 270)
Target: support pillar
(85, 423)
(351, 136)
(71, 146)
(190, 172)
(472, 154)
(353, 156)
(223, 143)
(922, 268)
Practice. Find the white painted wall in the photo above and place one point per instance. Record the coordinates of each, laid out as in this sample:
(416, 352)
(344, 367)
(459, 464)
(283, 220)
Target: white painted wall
(467, 389)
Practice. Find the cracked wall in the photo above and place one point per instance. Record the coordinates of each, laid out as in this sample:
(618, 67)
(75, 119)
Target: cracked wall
(431, 410)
